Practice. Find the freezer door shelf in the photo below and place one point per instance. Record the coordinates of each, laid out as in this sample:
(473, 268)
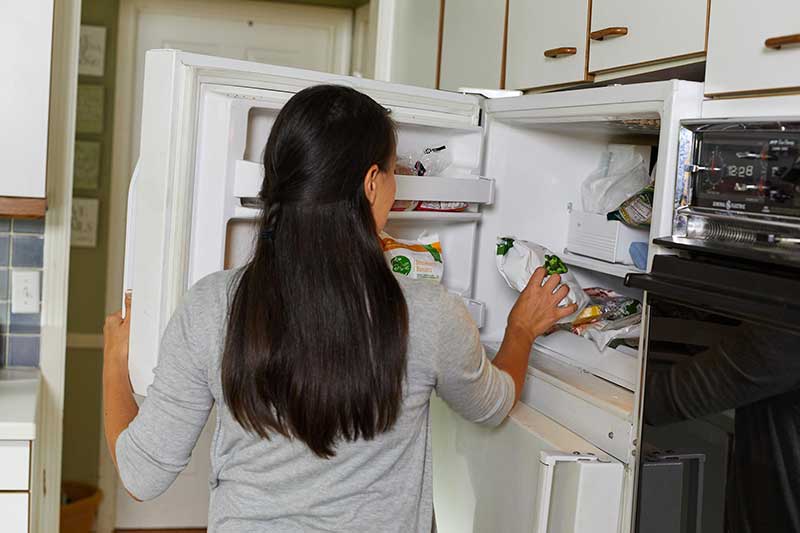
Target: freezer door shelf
(475, 189)
(529, 474)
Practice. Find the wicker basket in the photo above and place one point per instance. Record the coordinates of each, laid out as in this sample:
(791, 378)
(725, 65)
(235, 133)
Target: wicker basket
(78, 514)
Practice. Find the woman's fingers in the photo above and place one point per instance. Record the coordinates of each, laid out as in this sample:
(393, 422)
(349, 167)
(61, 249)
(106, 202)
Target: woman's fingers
(552, 282)
(128, 298)
(538, 277)
(567, 310)
(560, 293)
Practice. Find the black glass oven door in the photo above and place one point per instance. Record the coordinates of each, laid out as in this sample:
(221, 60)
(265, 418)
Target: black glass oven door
(720, 444)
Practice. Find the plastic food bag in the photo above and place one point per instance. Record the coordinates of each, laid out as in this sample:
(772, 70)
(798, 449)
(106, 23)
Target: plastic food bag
(431, 161)
(622, 174)
(609, 317)
(448, 207)
(517, 260)
(419, 259)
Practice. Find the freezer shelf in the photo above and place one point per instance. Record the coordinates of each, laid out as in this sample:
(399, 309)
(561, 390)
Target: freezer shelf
(480, 190)
(612, 269)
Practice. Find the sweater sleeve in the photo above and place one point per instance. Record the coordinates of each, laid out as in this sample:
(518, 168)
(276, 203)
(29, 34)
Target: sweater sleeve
(465, 377)
(158, 443)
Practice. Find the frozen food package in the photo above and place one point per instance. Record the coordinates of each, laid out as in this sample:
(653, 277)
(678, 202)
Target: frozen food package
(447, 207)
(405, 205)
(636, 211)
(517, 260)
(417, 259)
(610, 316)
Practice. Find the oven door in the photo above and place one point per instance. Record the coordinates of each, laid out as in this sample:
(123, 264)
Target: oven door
(720, 440)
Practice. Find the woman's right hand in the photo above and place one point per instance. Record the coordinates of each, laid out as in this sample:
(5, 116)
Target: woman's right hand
(537, 310)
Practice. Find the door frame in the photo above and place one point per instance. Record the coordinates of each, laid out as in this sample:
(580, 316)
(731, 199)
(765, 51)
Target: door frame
(129, 11)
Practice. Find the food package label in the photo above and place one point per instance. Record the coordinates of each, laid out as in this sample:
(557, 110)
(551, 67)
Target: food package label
(418, 259)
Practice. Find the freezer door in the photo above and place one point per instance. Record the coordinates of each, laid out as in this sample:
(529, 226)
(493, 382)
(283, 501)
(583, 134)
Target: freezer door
(166, 191)
(530, 474)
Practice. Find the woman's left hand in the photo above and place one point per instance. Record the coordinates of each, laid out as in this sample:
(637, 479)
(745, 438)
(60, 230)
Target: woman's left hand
(116, 334)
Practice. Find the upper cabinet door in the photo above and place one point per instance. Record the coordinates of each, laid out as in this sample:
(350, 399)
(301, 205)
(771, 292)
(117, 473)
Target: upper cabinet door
(632, 32)
(472, 44)
(546, 46)
(753, 48)
(26, 30)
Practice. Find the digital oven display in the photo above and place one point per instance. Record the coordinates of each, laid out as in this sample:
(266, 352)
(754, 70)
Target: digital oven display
(755, 171)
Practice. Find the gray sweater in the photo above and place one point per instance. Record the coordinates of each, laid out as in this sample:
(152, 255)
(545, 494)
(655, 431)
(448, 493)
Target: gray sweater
(279, 485)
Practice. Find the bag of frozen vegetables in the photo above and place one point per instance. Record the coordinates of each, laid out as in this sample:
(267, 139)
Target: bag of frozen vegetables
(517, 260)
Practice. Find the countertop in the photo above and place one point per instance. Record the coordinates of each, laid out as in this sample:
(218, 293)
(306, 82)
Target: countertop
(19, 396)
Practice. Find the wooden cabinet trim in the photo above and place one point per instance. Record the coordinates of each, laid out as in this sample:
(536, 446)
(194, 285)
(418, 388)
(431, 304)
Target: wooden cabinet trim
(22, 207)
(749, 93)
(648, 63)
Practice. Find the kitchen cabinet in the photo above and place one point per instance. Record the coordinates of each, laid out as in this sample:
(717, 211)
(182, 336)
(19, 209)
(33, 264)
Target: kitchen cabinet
(626, 33)
(753, 50)
(472, 44)
(14, 485)
(546, 46)
(26, 32)
(14, 510)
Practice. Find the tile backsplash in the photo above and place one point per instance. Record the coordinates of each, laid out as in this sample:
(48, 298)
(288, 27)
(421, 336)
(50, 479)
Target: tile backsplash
(21, 248)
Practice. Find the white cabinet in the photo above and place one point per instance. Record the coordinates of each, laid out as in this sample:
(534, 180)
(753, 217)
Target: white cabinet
(753, 49)
(14, 511)
(472, 44)
(546, 46)
(25, 46)
(633, 32)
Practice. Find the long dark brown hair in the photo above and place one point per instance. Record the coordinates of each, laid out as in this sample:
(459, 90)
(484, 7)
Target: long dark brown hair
(317, 329)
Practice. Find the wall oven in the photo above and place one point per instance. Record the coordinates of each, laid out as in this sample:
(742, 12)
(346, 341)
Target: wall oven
(719, 449)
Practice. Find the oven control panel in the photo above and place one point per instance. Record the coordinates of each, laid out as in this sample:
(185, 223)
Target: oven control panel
(747, 169)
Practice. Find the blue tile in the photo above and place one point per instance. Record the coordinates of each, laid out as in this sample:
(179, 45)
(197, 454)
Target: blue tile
(29, 225)
(4, 250)
(4, 313)
(25, 323)
(5, 225)
(2, 351)
(23, 351)
(27, 252)
(3, 284)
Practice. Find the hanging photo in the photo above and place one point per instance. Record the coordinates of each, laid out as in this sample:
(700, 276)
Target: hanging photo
(92, 52)
(86, 165)
(90, 109)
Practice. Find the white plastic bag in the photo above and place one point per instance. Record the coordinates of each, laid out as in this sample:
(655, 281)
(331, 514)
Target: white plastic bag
(517, 260)
(622, 173)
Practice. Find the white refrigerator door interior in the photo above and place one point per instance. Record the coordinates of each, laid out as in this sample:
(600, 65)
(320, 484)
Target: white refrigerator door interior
(204, 123)
(513, 478)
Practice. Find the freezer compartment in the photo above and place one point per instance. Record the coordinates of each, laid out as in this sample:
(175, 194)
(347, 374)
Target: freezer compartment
(594, 236)
(528, 474)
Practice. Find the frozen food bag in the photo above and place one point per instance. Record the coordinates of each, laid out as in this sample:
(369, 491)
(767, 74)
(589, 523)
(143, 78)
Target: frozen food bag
(418, 259)
(636, 211)
(517, 260)
(447, 207)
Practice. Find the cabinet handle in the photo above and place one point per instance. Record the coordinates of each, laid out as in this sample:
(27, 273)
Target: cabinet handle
(776, 42)
(606, 33)
(561, 51)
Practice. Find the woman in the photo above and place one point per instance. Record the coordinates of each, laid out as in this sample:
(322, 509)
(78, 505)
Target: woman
(320, 361)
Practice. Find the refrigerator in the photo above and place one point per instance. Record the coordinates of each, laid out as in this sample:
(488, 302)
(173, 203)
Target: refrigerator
(564, 460)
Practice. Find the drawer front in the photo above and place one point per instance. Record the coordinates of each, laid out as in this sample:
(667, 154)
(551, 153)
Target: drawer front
(472, 44)
(536, 29)
(738, 58)
(15, 456)
(643, 31)
(14, 512)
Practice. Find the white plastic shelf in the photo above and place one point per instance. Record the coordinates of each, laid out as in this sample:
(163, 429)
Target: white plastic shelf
(249, 175)
(434, 216)
(598, 265)
(476, 190)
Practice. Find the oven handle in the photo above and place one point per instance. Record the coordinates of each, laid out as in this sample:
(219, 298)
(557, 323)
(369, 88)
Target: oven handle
(709, 297)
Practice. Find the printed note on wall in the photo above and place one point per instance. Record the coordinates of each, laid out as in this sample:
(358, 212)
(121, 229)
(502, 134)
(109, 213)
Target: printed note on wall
(92, 51)
(86, 165)
(84, 222)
